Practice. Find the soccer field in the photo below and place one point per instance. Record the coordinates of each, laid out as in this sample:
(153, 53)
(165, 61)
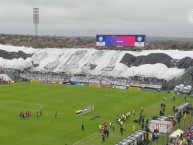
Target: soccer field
(65, 100)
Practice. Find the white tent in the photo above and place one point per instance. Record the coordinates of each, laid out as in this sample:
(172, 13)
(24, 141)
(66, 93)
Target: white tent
(176, 133)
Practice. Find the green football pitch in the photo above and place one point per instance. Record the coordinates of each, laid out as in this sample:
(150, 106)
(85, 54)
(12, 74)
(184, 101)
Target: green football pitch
(65, 129)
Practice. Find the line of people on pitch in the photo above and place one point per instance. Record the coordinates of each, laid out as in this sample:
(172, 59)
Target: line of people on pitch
(127, 115)
(123, 117)
(28, 114)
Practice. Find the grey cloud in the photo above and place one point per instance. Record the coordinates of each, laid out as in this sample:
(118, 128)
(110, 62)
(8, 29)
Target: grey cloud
(91, 17)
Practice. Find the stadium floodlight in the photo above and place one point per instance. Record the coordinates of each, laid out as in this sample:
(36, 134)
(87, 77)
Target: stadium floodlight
(35, 20)
(190, 16)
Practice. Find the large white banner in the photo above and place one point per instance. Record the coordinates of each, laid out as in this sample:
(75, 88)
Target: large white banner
(161, 126)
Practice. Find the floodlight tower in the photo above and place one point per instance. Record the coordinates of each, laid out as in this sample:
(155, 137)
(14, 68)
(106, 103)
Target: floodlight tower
(35, 20)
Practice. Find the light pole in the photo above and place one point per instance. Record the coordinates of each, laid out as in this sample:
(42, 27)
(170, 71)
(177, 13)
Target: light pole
(35, 20)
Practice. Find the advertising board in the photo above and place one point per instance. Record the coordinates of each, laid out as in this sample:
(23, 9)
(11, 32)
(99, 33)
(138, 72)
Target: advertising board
(120, 87)
(35, 81)
(81, 84)
(106, 86)
(93, 85)
(134, 88)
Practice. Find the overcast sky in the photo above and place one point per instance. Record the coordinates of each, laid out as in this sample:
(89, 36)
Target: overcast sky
(90, 17)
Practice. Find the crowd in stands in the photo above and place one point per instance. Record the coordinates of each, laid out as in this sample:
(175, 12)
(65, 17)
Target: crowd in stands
(83, 78)
(185, 138)
(46, 77)
(145, 80)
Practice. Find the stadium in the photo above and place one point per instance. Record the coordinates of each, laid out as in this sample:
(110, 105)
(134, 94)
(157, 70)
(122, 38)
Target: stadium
(88, 96)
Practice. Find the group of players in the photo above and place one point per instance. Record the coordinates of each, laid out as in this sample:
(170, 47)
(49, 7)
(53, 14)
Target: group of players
(28, 114)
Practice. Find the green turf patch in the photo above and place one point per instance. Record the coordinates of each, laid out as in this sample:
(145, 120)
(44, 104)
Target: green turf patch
(66, 100)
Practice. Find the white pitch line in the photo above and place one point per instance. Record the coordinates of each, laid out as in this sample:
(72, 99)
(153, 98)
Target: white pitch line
(40, 105)
(85, 138)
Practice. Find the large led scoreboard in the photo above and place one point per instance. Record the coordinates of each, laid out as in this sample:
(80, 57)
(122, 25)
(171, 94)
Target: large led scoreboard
(121, 40)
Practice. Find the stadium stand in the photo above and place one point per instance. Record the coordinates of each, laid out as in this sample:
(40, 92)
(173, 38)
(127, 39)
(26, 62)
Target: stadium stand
(157, 69)
(136, 81)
